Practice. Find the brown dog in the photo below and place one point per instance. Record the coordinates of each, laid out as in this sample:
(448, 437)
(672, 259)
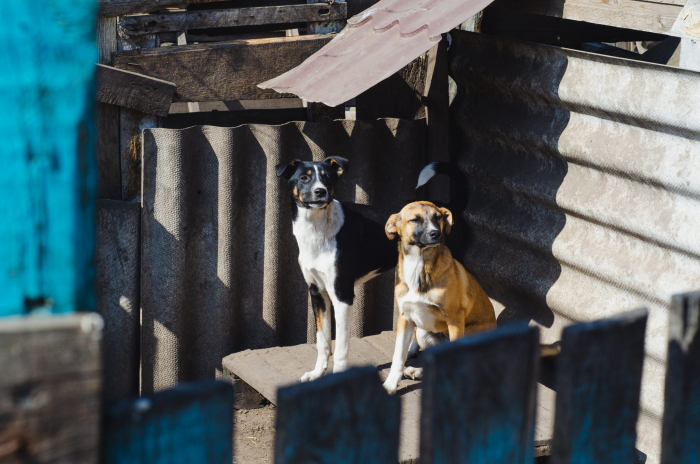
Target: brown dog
(434, 293)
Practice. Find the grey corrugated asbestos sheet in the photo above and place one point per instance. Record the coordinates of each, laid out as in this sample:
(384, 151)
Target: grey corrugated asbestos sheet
(219, 261)
(586, 193)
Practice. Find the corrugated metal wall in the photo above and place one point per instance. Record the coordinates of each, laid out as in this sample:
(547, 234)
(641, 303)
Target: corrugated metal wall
(219, 261)
(585, 188)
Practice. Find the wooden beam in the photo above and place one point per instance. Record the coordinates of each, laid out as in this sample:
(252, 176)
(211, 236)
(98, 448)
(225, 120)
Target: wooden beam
(132, 90)
(326, 25)
(51, 386)
(125, 7)
(213, 72)
(628, 14)
(206, 19)
(492, 418)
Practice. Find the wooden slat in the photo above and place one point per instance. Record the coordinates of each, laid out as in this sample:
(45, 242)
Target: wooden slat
(255, 371)
(205, 19)
(190, 423)
(234, 118)
(479, 397)
(598, 383)
(629, 14)
(213, 72)
(344, 417)
(132, 90)
(681, 427)
(125, 7)
(51, 389)
(326, 25)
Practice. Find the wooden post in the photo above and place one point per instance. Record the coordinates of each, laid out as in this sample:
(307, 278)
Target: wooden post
(479, 398)
(346, 417)
(598, 383)
(681, 429)
(48, 179)
(436, 99)
(50, 388)
(191, 423)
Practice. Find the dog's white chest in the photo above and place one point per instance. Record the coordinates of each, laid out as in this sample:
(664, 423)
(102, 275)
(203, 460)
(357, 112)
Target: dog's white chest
(414, 305)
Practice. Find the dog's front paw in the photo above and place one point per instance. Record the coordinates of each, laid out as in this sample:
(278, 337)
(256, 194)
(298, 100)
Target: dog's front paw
(311, 375)
(390, 386)
(415, 373)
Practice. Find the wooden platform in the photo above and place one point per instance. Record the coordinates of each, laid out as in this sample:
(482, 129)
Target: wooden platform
(268, 369)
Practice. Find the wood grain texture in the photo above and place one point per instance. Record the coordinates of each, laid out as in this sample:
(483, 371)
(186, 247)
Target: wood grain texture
(205, 19)
(51, 389)
(346, 417)
(325, 26)
(479, 398)
(49, 179)
(681, 427)
(190, 423)
(135, 91)
(598, 383)
(629, 14)
(214, 72)
(126, 7)
(234, 118)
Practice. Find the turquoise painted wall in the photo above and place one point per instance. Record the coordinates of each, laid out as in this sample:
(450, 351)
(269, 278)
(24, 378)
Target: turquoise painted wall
(47, 164)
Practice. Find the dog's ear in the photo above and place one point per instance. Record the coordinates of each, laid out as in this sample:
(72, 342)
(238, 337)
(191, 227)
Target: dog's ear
(338, 165)
(392, 226)
(447, 216)
(287, 169)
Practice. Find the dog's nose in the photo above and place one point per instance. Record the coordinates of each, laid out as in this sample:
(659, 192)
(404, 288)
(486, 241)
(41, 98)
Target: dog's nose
(321, 192)
(434, 234)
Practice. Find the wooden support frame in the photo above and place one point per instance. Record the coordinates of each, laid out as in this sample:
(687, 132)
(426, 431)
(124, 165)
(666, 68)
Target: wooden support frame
(205, 19)
(132, 90)
(125, 7)
(325, 26)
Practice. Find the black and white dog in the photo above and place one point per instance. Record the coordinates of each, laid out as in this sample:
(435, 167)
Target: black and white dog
(340, 246)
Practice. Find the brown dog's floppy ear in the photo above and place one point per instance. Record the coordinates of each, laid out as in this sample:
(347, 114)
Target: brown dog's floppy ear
(287, 169)
(392, 226)
(338, 165)
(447, 216)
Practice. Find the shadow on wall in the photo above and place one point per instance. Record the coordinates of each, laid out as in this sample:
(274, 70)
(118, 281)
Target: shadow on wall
(219, 261)
(501, 136)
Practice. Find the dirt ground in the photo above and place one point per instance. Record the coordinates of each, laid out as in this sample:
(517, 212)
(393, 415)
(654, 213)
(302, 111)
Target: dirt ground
(254, 435)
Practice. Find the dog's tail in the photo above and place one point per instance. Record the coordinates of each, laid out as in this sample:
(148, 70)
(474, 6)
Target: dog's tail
(460, 184)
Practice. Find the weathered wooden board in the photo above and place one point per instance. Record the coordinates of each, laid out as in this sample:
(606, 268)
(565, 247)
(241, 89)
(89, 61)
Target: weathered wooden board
(598, 383)
(205, 19)
(326, 25)
(107, 120)
(125, 7)
(629, 14)
(268, 369)
(190, 423)
(234, 118)
(345, 417)
(48, 180)
(51, 389)
(131, 90)
(223, 71)
(681, 429)
(492, 377)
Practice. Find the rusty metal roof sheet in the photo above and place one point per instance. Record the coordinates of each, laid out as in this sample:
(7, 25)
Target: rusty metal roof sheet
(374, 45)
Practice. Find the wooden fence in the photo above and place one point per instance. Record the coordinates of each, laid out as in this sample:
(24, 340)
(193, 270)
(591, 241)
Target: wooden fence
(478, 402)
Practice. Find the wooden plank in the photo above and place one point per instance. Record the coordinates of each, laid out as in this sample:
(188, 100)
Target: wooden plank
(598, 383)
(681, 424)
(383, 343)
(255, 371)
(326, 25)
(193, 422)
(690, 54)
(687, 25)
(51, 389)
(289, 366)
(125, 7)
(495, 374)
(326, 420)
(234, 118)
(49, 179)
(629, 14)
(544, 422)
(212, 72)
(204, 19)
(135, 91)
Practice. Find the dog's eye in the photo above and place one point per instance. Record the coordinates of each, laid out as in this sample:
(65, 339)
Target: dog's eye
(415, 219)
(305, 178)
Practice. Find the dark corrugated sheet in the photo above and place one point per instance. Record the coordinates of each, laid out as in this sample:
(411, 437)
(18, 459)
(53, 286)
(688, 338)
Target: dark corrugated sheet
(219, 261)
(374, 45)
(585, 188)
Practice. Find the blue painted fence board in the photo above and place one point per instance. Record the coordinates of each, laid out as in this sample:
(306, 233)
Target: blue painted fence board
(479, 398)
(681, 429)
(598, 382)
(344, 418)
(191, 423)
(48, 175)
